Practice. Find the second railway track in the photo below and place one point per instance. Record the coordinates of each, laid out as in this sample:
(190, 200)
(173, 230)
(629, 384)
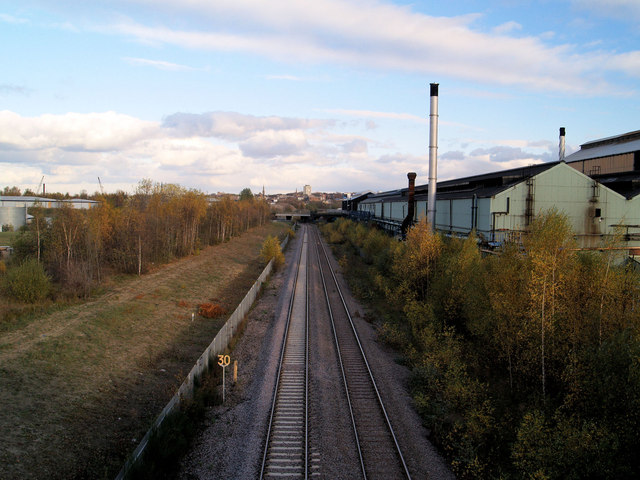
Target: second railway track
(378, 449)
(288, 442)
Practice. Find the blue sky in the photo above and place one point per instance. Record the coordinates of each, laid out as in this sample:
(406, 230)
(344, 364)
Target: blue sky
(226, 94)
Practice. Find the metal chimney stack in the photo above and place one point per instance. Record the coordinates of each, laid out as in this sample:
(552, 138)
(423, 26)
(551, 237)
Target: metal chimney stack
(433, 157)
(411, 204)
(561, 147)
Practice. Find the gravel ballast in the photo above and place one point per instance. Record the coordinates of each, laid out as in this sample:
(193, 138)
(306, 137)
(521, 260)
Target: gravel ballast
(231, 442)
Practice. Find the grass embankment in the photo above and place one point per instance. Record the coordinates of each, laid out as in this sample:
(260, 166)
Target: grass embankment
(81, 385)
(7, 238)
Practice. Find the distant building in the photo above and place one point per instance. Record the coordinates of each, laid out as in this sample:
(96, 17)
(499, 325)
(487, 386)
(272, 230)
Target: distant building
(306, 190)
(13, 209)
(619, 154)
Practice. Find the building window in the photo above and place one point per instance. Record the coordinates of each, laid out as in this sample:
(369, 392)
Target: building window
(508, 204)
(598, 212)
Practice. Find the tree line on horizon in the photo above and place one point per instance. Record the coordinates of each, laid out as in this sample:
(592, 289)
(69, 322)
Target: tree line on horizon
(76, 248)
(524, 364)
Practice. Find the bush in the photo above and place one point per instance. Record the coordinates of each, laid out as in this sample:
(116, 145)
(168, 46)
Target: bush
(28, 283)
(3, 267)
(211, 310)
(77, 279)
(271, 251)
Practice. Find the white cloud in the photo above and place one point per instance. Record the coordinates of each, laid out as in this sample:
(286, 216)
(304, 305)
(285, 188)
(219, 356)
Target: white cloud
(159, 64)
(72, 131)
(507, 27)
(385, 36)
(214, 151)
(222, 151)
(11, 19)
(271, 143)
(235, 126)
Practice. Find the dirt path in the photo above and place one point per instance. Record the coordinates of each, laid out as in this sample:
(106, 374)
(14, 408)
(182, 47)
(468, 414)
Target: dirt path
(80, 386)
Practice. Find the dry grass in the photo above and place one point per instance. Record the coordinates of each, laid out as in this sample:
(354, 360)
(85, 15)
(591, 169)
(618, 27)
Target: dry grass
(80, 386)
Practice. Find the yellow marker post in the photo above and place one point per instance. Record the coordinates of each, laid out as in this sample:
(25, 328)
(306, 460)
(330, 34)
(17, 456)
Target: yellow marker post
(223, 361)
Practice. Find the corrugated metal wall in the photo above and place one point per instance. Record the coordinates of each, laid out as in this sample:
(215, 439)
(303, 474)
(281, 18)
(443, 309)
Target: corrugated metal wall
(605, 165)
(593, 210)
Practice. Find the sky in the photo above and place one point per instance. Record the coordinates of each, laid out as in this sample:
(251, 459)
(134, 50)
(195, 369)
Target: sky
(220, 95)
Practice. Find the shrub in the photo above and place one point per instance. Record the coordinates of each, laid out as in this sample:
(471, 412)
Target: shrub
(211, 310)
(3, 267)
(271, 250)
(77, 279)
(28, 282)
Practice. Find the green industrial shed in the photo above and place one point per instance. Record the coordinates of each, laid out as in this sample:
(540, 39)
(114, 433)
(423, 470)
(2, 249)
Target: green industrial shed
(598, 188)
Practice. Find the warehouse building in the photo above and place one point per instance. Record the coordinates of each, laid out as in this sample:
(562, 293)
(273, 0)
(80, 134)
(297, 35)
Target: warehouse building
(13, 209)
(598, 188)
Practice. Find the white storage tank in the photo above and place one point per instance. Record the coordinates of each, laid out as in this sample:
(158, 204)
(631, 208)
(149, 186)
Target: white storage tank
(15, 216)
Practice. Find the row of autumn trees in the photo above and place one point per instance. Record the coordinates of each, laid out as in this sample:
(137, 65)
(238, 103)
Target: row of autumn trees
(129, 233)
(525, 364)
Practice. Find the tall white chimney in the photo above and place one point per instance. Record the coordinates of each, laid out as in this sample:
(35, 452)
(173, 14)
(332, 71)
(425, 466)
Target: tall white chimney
(561, 146)
(433, 157)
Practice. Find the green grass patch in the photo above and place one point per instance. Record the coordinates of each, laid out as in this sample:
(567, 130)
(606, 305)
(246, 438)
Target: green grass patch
(7, 238)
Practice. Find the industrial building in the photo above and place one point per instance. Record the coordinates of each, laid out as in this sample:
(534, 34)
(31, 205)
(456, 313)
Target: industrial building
(13, 209)
(598, 188)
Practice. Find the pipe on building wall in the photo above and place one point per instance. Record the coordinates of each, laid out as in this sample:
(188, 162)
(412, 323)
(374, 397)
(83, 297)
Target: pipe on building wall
(433, 157)
(561, 146)
(474, 212)
(411, 204)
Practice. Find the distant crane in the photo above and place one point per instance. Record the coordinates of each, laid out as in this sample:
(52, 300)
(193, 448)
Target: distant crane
(101, 187)
(39, 186)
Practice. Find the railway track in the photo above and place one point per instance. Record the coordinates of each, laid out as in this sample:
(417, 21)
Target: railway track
(287, 448)
(378, 449)
(286, 451)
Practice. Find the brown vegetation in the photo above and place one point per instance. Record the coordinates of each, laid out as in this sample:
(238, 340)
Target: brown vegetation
(131, 234)
(211, 310)
(80, 385)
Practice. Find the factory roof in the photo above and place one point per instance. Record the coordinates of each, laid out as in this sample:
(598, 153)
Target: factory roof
(626, 184)
(31, 199)
(482, 186)
(607, 147)
(16, 198)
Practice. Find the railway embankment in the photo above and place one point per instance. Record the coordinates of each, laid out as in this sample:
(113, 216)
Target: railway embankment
(79, 387)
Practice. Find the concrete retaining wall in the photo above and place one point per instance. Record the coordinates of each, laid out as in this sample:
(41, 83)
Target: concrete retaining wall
(215, 348)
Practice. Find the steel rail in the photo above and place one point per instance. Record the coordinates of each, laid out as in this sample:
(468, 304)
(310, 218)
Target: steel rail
(344, 378)
(306, 366)
(280, 365)
(366, 362)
